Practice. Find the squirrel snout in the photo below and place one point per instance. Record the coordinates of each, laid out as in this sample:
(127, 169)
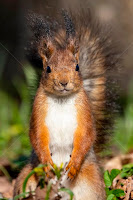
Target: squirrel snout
(63, 83)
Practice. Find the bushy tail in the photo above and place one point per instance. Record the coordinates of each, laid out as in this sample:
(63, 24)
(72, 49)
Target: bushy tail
(99, 64)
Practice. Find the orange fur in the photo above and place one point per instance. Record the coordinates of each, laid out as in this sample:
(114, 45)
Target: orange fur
(84, 136)
(39, 134)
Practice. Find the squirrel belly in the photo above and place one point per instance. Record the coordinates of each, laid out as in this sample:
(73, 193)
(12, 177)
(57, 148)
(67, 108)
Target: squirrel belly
(61, 121)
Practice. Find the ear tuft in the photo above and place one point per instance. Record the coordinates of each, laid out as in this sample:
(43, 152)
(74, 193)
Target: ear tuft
(70, 28)
(70, 34)
(46, 49)
(73, 47)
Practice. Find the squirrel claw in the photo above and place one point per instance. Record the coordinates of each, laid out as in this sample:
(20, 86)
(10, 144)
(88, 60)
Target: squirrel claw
(72, 172)
(48, 167)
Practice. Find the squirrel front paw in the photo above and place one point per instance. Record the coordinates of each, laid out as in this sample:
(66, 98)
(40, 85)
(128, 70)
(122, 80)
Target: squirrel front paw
(49, 163)
(72, 169)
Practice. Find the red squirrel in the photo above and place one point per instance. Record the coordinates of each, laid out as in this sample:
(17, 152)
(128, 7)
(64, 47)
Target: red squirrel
(69, 115)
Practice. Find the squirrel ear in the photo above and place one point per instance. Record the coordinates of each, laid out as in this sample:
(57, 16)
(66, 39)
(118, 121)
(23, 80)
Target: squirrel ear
(74, 48)
(45, 50)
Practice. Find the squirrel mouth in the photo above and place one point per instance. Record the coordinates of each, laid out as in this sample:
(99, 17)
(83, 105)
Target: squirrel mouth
(64, 90)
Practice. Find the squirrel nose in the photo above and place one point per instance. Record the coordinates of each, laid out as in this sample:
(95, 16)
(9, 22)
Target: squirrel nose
(63, 84)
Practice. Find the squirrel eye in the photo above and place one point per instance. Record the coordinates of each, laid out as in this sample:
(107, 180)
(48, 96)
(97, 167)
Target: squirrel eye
(77, 67)
(48, 69)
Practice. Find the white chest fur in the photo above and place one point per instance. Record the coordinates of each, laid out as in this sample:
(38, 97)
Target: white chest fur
(61, 121)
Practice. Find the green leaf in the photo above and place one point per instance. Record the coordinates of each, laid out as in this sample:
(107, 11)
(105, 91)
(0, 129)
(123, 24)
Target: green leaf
(26, 180)
(118, 192)
(67, 191)
(111, 197)
(42, 182)
(114, 173)
(130, 165)
(57, 171)
(3, 199)
(107, 191)
(127, 171)
(41, 166)
(124, 174)
(37, 170)
(20, 195)
(5, 172)
(48, 191)
(107, 179)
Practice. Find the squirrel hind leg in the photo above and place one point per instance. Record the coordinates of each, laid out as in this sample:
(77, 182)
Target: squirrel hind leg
(89, 184)
(31, 184)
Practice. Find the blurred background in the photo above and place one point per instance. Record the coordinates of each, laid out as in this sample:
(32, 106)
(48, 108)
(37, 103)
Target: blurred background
(17, 76)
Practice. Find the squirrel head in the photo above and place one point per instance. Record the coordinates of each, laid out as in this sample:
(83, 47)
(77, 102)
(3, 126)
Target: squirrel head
(61, 72)
(55, 45)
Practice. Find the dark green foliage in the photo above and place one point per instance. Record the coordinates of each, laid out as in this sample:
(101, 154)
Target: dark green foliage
(112, 194)
(127, 171)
